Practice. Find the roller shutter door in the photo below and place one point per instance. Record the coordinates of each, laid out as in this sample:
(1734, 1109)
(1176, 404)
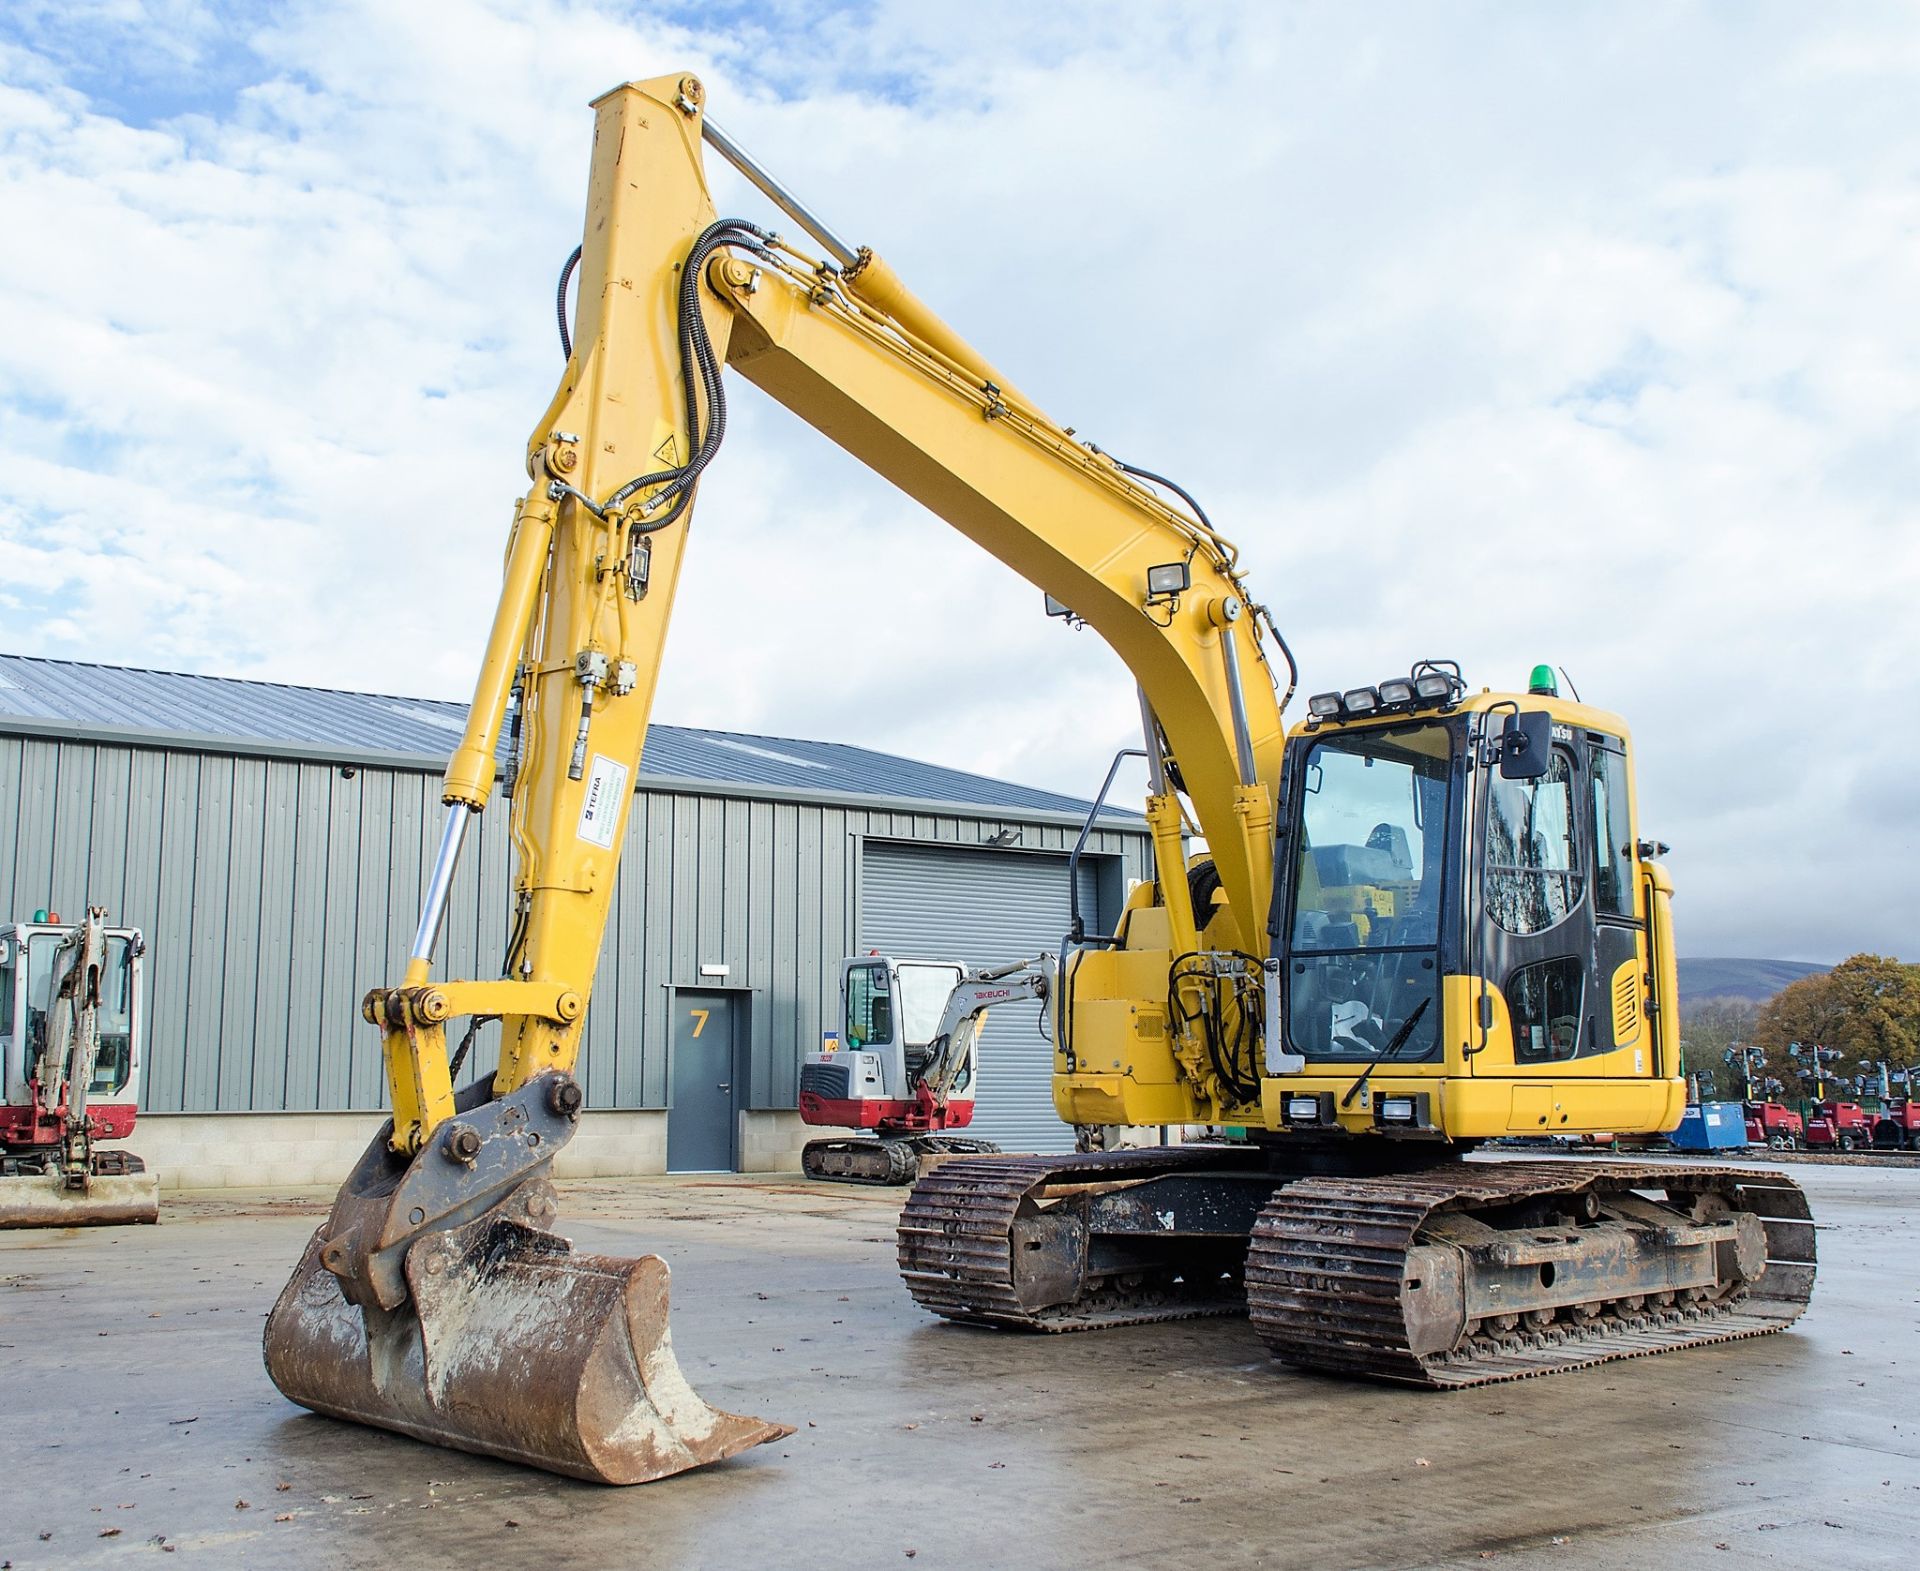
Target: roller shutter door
(982, 908)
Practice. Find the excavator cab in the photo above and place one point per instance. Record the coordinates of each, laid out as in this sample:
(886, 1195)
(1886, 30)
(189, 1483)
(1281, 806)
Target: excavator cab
(890, 1014)
(1486, 842)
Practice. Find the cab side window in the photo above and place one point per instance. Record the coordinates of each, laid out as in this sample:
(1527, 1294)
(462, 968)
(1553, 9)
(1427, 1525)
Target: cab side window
(1533, 879)
(1612, 836)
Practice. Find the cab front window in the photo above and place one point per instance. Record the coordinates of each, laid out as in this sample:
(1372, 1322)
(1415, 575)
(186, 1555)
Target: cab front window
(1372, 847)
(869, 1007)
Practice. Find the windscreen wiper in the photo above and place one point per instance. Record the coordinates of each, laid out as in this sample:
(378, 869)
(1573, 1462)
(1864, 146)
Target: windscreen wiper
(1399, 1041)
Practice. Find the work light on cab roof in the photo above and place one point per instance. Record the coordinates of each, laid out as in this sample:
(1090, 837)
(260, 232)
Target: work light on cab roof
(1430, 684)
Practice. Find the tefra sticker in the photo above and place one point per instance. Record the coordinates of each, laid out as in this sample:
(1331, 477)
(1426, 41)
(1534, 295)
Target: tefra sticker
(600, 808)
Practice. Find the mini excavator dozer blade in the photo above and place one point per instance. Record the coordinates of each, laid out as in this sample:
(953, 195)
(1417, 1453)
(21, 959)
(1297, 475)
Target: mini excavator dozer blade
(108, 1200)
(490, 1334)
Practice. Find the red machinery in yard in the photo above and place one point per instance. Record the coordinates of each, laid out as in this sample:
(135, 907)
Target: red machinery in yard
(1898, 1125)
(1770, 1124)
(903, 1063)
(1842, 1126)
(70, 1027)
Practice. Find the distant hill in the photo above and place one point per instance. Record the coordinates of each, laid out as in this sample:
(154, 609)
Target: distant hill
(1753, 980)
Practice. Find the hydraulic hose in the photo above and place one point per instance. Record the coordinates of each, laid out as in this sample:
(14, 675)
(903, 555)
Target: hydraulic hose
(560, 303)
(700, 372)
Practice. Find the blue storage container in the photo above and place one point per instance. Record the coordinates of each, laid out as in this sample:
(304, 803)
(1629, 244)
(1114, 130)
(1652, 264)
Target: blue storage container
(1711, 1126)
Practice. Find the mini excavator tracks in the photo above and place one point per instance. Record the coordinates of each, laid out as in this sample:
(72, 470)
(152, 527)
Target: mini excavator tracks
(1485, 1272)
(884, 1160)
(1444, 1277)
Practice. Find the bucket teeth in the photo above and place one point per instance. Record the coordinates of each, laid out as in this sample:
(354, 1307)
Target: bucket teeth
(511, 1345)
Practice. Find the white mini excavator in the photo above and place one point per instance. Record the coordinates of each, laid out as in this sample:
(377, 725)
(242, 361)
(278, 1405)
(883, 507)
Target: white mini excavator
(70, 1029)
(904, 1063)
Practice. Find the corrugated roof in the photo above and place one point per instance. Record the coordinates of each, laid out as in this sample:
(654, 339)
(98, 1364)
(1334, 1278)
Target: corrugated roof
(123, 699)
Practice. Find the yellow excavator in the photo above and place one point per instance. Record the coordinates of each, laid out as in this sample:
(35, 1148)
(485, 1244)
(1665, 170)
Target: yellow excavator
(1422, 921)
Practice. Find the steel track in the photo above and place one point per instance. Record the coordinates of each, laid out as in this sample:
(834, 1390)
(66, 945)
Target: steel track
(957, 1244)
(1326, 1266)
(885, 1161)
(1326, 1273)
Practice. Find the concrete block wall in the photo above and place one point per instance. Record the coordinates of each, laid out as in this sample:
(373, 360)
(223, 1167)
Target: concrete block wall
(251, 1150)
(288, 1150)
(615, 1145)
(770, 1141)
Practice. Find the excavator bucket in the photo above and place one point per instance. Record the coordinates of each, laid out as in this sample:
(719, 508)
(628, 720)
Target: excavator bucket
(512, 1345)
(109, 1200)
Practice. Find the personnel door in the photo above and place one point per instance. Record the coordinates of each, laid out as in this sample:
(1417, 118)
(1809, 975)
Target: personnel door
(701, 1121)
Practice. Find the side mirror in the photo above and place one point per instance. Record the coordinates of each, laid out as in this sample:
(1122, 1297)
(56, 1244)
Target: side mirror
(1526, 745)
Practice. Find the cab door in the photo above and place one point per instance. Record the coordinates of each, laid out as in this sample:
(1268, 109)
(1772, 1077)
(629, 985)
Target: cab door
(1622, 961)
(1563, 929)
(13, 1088)
(1536, 937)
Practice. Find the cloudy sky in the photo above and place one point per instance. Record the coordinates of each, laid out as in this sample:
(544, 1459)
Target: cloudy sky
(1502, 332)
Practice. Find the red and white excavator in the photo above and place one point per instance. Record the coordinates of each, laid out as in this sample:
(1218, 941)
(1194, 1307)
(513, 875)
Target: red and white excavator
(70, 1028)
(904, 1063)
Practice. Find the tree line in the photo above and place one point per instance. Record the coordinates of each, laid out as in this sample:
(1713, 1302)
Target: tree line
(1866, 1009)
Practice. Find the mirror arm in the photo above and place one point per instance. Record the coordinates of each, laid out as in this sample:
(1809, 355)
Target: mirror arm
(1487, 752)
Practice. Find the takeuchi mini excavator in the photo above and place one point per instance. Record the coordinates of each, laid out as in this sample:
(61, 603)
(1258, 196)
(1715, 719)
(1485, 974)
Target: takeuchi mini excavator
(70, 1033)
(904, 1063)
(1425, 919)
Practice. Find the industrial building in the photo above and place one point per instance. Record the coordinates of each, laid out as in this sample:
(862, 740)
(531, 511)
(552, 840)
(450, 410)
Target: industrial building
(272, 843)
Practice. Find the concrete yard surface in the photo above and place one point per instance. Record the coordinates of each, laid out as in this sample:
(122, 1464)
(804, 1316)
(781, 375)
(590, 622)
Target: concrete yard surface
(140, 1423)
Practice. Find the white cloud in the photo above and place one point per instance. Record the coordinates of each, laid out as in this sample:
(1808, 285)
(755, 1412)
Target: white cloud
(1584, 334)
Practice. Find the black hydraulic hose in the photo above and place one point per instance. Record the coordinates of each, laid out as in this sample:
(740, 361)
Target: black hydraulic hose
(466, 1044)
(1293, 666)
(1223, 1054)
(560, 303)
(1175, 487)
(700, 371)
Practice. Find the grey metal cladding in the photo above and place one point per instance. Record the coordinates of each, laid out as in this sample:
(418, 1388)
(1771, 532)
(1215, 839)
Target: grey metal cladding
(276, 890)
(199, 711)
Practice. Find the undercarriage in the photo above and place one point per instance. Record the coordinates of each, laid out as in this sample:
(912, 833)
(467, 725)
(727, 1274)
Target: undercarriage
(885, 1159)
(1443, 1275)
